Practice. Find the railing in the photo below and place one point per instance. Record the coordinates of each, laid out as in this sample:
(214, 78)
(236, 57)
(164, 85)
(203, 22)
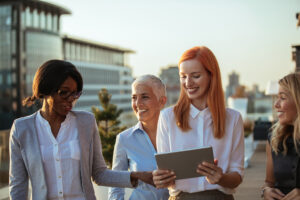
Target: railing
(4, 157)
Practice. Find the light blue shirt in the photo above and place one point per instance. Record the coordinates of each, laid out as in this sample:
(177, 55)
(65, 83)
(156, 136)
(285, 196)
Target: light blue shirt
(135, 152)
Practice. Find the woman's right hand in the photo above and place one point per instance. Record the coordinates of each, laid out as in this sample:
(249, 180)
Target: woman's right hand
(163, 178)
(272, 194)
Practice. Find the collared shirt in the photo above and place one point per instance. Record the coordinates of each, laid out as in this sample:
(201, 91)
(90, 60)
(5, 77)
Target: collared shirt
(229, 150)
(135, 152)
(61, 159)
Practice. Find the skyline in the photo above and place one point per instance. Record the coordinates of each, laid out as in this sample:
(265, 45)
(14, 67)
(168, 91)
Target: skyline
(247, 37)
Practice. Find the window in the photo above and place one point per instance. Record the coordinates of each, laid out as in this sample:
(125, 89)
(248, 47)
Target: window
(54, 23)
(28, 17)
(42, 20)
(14, 20)
(49, 22)
(35, 18)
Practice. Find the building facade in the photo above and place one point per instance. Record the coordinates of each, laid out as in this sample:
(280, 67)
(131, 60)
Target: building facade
(296, 57)
(233, 84)
(170, 76)
(30, 35)
(101, 66)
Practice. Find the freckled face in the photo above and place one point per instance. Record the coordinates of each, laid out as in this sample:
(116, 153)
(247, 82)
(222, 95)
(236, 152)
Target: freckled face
(144, 103)
(286, 107)
(195, 80)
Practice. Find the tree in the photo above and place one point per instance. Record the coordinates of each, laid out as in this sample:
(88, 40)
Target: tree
(108, 124)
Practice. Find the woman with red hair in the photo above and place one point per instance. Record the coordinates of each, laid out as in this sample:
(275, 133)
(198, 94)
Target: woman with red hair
(200, 119)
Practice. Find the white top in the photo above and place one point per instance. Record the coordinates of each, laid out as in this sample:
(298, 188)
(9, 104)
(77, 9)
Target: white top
(229, 150)
(61, 159)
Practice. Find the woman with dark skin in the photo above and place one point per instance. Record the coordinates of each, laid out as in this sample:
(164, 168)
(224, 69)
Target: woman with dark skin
(56, 148)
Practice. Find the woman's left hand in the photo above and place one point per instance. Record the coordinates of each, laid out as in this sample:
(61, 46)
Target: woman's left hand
(292, 195)
(212, 172)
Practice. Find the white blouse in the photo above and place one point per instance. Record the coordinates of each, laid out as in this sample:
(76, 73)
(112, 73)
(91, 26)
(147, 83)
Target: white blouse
(61, 159)
(229, 150)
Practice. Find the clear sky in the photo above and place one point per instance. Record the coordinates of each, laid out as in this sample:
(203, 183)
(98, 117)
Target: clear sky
(250, 37)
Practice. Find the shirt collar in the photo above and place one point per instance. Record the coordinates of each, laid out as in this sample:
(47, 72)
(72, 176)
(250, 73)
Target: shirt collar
(137, 128)
(194, 112)
(43, 121)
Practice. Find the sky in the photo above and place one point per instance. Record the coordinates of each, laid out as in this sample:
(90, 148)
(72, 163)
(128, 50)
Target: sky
(254, 38)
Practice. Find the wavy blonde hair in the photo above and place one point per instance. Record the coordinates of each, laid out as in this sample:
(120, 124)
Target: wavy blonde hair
(280, 133)
(215, 99)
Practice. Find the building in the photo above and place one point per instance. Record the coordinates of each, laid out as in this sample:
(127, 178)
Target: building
(296, 57)
(30, 35)
(296, 48)
(233, 84)
(170, 76)
(101, 66)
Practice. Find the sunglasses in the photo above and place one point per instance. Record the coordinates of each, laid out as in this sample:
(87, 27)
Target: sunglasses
(66, 94)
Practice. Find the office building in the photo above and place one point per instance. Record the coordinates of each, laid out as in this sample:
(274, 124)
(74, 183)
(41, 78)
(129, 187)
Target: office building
(101, 66)
(30, 35)
(233, 84)
(296, 57)
(170, 76)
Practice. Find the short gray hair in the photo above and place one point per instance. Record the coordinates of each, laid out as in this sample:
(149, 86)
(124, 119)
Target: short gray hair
(154, 82)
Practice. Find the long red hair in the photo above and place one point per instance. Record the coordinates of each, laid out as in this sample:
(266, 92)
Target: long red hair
(215, 97)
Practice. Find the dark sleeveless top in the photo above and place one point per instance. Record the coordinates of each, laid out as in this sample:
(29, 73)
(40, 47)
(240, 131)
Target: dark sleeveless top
(286, 167)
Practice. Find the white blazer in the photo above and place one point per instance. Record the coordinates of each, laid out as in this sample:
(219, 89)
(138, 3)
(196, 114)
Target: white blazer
(26, 161)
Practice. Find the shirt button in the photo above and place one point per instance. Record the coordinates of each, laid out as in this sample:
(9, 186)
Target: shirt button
(59, 176)
(57, 159)
(60, 192)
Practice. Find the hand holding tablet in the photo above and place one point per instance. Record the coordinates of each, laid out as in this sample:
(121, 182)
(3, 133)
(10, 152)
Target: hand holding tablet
(185, 163)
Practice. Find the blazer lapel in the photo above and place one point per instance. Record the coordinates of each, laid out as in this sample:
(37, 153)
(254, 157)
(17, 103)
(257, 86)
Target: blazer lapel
(33, 149)
(34, 158)
(83, 137)
(84, 148)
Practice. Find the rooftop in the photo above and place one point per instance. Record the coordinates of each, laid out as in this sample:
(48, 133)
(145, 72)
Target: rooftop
(96, 44)
(42, 5)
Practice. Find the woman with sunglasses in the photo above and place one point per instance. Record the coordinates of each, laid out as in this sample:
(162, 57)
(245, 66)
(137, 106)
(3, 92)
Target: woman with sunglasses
(57, 149)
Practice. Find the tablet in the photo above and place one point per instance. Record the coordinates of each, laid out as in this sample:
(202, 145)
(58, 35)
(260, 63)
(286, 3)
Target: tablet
(184, 163)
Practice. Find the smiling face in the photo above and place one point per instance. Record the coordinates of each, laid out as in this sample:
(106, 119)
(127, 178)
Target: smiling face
(285, 107)
(145, 103)
(195, 80)
(59, 105)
